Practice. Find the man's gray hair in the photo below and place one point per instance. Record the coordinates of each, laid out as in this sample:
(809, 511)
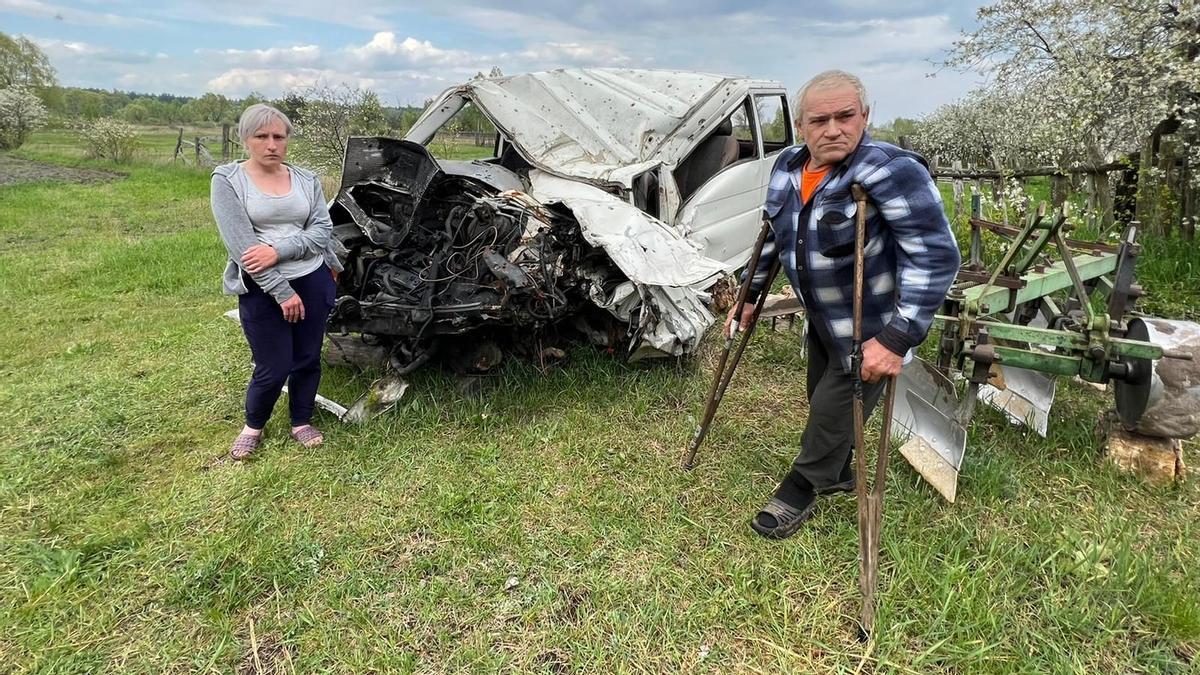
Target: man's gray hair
(828, 80)
(258, 116)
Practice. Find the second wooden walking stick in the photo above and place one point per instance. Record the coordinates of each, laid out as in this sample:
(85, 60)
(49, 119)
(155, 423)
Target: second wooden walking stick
(870, 501)
(726, 367)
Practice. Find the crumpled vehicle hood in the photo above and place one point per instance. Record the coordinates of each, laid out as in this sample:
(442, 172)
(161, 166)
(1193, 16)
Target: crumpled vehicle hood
(604, 125)
(667, 274)
(644, 248)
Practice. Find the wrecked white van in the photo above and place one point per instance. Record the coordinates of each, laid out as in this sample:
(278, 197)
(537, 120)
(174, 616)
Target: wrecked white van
(612, 201)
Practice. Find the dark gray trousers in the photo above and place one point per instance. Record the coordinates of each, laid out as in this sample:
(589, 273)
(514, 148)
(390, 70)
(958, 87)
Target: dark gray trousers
(828, 437)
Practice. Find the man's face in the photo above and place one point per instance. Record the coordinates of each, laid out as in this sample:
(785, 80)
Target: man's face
(832, 124)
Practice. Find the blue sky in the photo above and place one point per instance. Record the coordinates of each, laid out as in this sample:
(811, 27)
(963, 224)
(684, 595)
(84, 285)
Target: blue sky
(409, 51)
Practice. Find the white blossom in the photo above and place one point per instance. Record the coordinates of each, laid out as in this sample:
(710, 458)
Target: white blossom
(21, 113)
(1072, 82)
(109, 138)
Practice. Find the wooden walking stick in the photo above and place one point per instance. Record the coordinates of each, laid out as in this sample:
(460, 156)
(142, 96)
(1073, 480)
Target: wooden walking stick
(870, 504)
(725, 367)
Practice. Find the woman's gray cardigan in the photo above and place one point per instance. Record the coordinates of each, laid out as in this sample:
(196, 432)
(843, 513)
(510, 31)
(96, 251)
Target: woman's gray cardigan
(228, 196)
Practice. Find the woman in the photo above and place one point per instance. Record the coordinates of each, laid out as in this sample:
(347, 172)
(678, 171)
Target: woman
(274, 222)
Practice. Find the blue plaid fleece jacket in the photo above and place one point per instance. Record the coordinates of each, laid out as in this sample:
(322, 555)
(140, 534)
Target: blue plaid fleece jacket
(911, 256)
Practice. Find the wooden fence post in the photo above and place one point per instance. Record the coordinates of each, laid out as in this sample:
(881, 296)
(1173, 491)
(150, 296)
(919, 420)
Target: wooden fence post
(224, 142)
(197, 151)
(1089, 202)
(998, 189)
(1101, 192)
(976, 250)
(1058, 190)
(1125, 199)
(1144, 212)
(1188, 198)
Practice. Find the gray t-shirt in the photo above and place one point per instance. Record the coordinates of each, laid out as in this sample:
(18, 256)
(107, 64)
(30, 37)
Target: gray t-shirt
(279, 217)
(229, 193)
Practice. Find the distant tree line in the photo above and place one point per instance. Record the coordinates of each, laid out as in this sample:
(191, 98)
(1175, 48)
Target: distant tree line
(173, 109)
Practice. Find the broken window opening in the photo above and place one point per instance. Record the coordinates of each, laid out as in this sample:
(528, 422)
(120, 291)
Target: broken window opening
(468, 134)
(731, 141)
(645, 193)
(774, 121)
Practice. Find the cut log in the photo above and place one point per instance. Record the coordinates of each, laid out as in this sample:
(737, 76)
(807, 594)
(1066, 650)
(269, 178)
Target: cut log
(1157, 460)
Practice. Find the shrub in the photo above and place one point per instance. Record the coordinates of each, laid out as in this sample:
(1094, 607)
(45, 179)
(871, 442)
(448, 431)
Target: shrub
(109, 138)
(329, 116)
(21, 113)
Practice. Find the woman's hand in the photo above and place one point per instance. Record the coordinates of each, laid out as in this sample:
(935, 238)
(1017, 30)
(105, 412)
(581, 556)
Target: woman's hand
(259, 258)
(293, 309)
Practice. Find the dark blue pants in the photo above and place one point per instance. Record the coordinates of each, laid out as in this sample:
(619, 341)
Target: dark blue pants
(283, 351)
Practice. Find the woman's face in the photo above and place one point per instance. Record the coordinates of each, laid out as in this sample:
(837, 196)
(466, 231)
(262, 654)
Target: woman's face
(268, 145)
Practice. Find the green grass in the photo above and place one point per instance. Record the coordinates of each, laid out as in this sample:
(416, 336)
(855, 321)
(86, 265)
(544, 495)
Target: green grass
(542, 526)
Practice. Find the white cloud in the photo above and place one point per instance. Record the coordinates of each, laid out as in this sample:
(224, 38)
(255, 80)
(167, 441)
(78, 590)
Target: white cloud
(247, 21)
(359, 14)
(392, 88)
(299, 55)
(238, 81)
(518, 24)
(554, 54)
(877, 37)
(63, 48)
(60, 51)
(384, 50)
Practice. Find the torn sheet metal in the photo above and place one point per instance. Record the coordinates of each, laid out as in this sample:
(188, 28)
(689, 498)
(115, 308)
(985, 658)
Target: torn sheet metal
(512, 248)
(604, 125)
(644, 248)
(666, 272)
(672, 322)
(380, 397)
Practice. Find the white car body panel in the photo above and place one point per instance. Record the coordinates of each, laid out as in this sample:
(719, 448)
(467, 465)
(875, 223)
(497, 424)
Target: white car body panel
(587, 129)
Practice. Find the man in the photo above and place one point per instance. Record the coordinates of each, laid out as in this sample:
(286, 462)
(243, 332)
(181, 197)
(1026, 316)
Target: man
(911, 258)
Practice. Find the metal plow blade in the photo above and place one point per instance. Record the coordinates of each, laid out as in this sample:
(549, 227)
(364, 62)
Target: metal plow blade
(380, 398)
(1025, 398)
(925, 405)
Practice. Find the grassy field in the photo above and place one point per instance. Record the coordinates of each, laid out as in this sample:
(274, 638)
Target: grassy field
(542, 526)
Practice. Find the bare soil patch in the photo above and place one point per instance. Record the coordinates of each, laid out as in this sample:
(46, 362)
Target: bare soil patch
(14, 171)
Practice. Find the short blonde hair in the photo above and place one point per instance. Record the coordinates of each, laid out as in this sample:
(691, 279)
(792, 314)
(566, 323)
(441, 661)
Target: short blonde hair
(828, 80)
(258, 116)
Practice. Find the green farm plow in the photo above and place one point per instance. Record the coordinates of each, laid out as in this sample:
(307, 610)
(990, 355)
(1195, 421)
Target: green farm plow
(1052, 306)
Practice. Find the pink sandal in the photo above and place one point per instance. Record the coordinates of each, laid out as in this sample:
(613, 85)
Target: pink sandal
(244, 446)
(308, 436)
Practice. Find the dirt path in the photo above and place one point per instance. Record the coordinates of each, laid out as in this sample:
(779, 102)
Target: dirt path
(14, 171)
